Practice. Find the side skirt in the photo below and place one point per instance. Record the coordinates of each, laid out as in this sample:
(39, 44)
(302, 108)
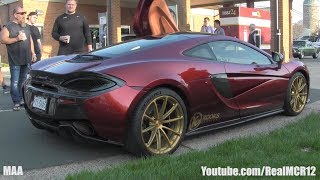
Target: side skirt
(232, 122)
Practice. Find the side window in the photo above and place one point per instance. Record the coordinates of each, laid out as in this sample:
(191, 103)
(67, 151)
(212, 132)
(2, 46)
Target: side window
(202, 51)
(234, 52)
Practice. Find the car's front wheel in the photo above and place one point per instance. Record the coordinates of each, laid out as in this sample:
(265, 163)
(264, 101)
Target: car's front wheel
(158, 124)
(297, 95)
(301, 56)
(315, 55)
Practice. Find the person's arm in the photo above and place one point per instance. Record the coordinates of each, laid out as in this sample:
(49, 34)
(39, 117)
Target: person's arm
(55, 32)
(202, 29)
(40, 45)
(5, 39)
(87, 34)
(34, 57)
(38, 37)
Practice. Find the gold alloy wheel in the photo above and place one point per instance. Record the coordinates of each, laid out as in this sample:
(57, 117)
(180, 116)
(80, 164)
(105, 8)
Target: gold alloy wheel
(299, 93)
(162, 124)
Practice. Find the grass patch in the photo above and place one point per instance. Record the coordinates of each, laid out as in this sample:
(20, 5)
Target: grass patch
(297, 144)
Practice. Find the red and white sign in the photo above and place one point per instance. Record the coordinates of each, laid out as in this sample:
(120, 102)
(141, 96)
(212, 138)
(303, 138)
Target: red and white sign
(236, 20)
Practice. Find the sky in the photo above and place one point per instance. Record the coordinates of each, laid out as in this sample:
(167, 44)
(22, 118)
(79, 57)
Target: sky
(297, 7)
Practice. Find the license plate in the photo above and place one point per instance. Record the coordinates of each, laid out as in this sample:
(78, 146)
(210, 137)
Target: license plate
(39, 102)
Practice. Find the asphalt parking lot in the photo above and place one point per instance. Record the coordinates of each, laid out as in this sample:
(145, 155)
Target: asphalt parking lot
(24, 145)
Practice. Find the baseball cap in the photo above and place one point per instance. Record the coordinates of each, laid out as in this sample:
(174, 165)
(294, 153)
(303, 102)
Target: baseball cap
(31, 14)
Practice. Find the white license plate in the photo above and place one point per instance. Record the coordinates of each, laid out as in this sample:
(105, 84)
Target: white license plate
(39, 102)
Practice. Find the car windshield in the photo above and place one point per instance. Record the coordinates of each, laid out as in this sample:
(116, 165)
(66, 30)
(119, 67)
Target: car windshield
(137, 45)
(299, 43)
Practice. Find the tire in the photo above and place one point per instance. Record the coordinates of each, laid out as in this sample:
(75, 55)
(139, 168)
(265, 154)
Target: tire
(315, 55)
(301, 56)
(297, 95)
(159, 138)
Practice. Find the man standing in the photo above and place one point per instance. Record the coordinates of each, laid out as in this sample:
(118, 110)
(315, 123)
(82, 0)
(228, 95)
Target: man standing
(35, 34)
(72, 31)
(17, 37)
(3, 84)
(254, 38)
(206, 27)
(219, 30)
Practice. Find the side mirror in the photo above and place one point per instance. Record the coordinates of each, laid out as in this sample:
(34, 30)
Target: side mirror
(277, 57)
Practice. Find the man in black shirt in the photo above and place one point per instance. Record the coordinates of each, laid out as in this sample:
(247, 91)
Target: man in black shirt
(17, 37)
(35, 34)
(72, 31)
(254, 37)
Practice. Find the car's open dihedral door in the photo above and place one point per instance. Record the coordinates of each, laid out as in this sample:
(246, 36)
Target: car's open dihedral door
(152, 17)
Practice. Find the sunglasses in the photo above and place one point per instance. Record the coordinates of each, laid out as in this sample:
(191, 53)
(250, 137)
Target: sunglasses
(21, 13)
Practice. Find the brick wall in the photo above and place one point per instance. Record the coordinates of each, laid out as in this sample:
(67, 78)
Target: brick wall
(114, 21)
(285, 27)
(184, 14)
(127, 16)
(51, 11)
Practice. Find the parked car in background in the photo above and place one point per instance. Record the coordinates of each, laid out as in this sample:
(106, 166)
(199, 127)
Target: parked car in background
(317, 44)
(127, 37)
(302, 48)
(309, 38)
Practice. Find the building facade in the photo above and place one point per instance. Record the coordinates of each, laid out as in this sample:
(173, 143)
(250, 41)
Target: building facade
(119, 13)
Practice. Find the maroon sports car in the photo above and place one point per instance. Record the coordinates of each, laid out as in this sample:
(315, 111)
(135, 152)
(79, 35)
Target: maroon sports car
(149, 93)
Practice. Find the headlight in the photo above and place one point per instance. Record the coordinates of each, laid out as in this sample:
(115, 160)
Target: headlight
(89, 84)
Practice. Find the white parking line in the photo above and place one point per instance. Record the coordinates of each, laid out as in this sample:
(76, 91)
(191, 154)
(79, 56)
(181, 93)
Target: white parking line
(9, 110)
(6, 110)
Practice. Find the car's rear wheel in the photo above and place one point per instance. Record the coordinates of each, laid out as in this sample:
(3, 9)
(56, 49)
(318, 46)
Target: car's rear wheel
(297, 95)
(158, 124)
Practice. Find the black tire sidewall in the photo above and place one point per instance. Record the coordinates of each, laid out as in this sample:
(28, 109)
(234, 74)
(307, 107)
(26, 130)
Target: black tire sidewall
(134, 142)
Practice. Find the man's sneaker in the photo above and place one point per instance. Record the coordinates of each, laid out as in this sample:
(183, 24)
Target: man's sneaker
(6, 89)
(16, 107)
(21, 103)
